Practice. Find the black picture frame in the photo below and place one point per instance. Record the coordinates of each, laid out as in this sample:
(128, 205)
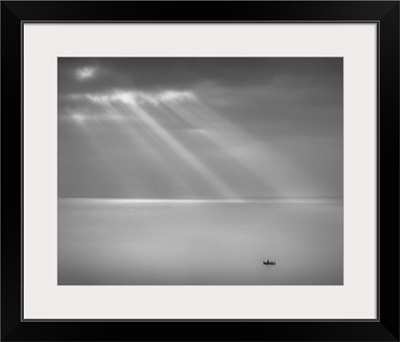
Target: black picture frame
(385, 328)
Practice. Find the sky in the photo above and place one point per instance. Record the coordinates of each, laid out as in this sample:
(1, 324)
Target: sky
(200, 128)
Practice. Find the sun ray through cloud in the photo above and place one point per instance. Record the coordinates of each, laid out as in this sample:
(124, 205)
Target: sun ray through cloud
(155, 148)
(184, 153)
(124, 107)
(127, 108)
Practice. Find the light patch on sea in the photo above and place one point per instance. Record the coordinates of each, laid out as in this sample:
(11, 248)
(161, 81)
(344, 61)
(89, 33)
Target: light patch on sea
(195, 242)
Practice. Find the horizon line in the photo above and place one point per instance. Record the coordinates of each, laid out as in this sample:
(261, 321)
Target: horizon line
(219, 200)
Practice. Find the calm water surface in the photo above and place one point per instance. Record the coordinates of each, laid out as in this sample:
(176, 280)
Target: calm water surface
(128, 242)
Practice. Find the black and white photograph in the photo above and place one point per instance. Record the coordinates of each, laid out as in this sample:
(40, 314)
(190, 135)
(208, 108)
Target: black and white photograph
(200, 171)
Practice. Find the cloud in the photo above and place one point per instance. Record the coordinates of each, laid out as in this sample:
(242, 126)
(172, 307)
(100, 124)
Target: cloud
(186, 73)
(85, 73)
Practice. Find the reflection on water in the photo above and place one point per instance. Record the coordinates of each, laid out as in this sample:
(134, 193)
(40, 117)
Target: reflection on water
(126, 242)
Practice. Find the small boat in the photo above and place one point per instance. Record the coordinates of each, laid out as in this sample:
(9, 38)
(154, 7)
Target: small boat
(269, 262)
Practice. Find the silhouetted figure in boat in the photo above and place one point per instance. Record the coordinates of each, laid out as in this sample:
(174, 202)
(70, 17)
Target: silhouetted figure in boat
(269, 262)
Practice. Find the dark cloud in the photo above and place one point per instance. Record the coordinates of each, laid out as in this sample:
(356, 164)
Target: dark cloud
(186, 73)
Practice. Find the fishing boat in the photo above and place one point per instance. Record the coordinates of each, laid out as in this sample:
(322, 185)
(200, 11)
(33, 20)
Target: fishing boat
(269, 262)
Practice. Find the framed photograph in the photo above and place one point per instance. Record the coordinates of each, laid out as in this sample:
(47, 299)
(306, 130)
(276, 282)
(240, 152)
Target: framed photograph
(200, 171)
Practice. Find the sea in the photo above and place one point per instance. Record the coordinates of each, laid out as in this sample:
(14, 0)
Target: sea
(199, 242)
